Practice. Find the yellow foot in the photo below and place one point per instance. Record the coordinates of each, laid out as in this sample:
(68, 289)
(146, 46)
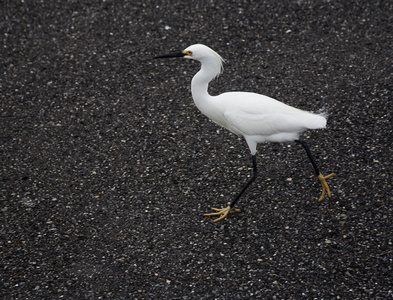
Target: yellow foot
(325, 186)
(222, 211)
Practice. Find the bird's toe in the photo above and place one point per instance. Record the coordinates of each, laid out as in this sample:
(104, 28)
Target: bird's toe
(325, 187)
(222, 212)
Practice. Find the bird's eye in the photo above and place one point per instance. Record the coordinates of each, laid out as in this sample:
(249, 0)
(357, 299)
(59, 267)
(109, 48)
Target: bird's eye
(189, 53)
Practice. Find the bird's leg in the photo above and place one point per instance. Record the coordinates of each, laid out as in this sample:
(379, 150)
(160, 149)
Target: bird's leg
(254, 176)
(223, 212)
(321, 178)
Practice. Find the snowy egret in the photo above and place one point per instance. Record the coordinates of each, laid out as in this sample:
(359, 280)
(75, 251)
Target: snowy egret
(256, 117)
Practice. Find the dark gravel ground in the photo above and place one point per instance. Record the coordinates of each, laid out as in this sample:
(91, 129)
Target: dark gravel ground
(107, 166)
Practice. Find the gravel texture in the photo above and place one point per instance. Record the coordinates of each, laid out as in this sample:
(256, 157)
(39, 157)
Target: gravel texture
(107, 166)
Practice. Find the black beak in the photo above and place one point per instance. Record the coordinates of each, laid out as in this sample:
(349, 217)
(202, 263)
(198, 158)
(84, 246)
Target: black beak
(177, 54)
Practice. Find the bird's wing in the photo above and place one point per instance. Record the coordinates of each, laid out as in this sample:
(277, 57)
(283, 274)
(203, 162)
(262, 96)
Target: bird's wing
(246, 123)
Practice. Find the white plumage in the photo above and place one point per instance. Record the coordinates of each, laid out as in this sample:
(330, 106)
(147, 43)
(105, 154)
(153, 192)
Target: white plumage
(256, 117)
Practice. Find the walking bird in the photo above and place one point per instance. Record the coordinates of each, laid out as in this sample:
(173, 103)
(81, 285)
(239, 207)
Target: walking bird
(258, 118)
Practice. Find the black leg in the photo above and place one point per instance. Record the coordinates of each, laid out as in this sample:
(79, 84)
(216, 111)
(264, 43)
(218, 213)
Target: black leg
(223, 212)
(305, 146)
(322, 179)
(254, 176)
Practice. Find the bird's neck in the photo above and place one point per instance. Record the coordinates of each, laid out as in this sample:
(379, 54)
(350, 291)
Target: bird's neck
(200, 84)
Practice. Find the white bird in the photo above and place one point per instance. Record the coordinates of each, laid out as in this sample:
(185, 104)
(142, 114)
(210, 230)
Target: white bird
(256, 117)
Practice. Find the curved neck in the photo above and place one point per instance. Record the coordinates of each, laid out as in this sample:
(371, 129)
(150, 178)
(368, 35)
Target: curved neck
(200, 82)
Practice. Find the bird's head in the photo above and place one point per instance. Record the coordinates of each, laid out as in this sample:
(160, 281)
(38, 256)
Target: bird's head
(201, 53)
